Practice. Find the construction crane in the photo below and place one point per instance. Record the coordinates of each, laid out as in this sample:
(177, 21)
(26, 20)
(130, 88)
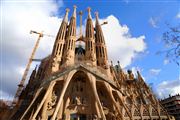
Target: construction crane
(21, 85)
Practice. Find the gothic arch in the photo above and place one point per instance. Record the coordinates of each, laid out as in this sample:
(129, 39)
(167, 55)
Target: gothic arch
(78, 98)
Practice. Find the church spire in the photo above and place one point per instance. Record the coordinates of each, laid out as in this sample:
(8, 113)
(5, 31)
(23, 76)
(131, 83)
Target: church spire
(66, 15)
(101, 52)
(70, 40)
(90, 41)
(89, 13)
(74, 13)
(97, 18)
(57, 53)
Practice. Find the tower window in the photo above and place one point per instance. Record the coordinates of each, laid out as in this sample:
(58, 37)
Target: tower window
(103, 51)
(81, 89)
(91, 45)
(57, 49)
(63, 34)
(69, 44)
(100, 52)
(97, 51)
(60, 49)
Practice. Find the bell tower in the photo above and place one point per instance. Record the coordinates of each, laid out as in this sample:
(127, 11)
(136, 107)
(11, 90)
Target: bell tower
(57, 52)
(101, 52)
(90, 39)
(69, 55)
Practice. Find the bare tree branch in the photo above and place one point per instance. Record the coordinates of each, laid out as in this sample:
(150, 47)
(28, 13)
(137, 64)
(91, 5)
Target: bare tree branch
(171, 39)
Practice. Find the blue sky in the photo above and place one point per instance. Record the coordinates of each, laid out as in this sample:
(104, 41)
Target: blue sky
(141, 24)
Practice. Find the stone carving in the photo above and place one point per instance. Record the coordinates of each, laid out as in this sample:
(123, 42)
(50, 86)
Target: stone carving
(92, 57)
(52, 101)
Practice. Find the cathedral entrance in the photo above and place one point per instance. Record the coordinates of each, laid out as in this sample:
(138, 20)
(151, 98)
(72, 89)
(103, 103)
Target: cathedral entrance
(77, 117)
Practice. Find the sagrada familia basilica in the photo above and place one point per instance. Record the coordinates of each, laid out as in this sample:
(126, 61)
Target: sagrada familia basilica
(76, 82)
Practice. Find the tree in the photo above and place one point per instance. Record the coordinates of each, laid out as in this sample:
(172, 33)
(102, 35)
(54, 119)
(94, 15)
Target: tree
(171, 40)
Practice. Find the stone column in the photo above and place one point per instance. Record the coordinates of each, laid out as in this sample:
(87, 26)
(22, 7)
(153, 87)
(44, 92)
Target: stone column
(45, 106)
(92, 81)
(66, 83)
(43, 100)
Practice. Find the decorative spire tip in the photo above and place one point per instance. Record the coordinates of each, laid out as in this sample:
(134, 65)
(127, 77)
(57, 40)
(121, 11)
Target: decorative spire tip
(74, 13)
(88, 9)
(89, 12)
(74, 6)
(67, 9)
(80, 13)
(66, 15)
(96, 14)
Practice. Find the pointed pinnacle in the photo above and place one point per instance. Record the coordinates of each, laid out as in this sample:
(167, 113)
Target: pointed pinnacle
(96, 14)
(66, 15)
(74, 13)
(67, 9)
(97, 17)
(80, 13)
(89, 12)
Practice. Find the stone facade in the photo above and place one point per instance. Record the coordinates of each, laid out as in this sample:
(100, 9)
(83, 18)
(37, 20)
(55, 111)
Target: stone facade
(77, 83)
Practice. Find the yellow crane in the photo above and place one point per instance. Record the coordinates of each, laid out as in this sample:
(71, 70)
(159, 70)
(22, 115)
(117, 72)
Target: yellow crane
(21, 84)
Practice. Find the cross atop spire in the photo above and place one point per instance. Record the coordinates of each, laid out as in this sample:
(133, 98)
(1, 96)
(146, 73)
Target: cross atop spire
(74, 13)
(89, 12)
(66, 15)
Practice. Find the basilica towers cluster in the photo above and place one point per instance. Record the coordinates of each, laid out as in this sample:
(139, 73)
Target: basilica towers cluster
(82, 84)
(63, 53)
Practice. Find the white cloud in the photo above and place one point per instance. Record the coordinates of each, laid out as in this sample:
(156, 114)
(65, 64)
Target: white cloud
(153, 21)
(120, 44)
(178, 15)
(18, 18)
(168, 87)
(152, 74)
(154, 71)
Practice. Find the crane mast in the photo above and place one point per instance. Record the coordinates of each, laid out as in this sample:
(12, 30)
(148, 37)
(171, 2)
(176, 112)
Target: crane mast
(21, 85)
